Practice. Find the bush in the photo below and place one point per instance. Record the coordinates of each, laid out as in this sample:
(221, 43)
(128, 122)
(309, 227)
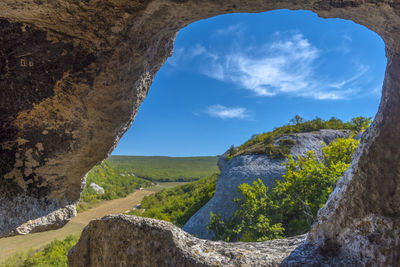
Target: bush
(178, 204)
(264, 143)
(292, 205)
(116, 184)
(54, 254)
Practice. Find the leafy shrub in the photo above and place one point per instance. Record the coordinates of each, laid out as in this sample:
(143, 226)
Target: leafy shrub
(292, 205)
(116, 184)
(251, 221)
(54, 254)
(178, 204)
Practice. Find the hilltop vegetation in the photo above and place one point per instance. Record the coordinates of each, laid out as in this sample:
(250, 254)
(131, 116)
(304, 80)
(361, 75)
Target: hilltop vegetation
(166, 169)
(264, 143)
(116, 184)
(291, 206)
(178, 204)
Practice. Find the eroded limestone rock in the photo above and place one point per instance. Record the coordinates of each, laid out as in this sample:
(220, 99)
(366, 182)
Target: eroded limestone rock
(73, 74)
(97, 188)
(121, 240)
(248, 168)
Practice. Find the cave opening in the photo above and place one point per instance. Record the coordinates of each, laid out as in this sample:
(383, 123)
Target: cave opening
(85, 105)
(231, 78)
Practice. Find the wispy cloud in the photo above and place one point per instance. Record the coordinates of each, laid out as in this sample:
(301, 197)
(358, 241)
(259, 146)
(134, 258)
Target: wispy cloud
(361, 70)
(198, 50)
(222, 112)
(176, 57)
(284, 66)
(348, 38)
(231, 29)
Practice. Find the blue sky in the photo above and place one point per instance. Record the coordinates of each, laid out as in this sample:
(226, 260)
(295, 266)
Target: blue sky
(235, 75)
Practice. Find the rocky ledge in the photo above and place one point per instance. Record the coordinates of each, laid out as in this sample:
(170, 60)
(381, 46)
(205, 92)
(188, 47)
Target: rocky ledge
(121, 240)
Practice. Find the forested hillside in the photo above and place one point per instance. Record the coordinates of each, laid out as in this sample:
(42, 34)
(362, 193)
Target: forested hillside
(116, 184)
(178, 204)
(166, 169)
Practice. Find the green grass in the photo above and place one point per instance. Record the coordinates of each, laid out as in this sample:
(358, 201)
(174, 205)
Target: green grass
(178, 204)
(164, 185)
(166, 169)
(54, 254)
(116, 184)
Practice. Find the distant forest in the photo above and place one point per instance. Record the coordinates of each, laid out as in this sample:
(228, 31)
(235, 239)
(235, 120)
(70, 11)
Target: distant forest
(166, 169)
(178, 204)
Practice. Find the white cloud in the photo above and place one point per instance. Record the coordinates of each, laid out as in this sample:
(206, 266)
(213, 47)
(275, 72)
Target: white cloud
(376, 91)
(199, 50)
(176, 57)
(183, 55)
(222, 112)
(231, 29)
(361, 70)
(284, 66)
(335, 94)
(347, 38)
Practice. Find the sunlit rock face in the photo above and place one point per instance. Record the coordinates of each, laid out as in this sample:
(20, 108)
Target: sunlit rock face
(73, 74)
(245, 169)
(137, 241)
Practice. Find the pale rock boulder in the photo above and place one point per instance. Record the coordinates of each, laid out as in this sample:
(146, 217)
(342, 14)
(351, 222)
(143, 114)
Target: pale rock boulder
(248, 168)
(97, 188)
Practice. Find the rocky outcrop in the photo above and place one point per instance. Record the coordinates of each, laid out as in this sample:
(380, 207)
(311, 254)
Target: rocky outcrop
(248, 168)
(73, 74)
(135, 241)
(97, 188)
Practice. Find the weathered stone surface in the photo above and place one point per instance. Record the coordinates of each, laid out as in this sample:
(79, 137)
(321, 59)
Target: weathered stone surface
(135, 241)
(66, 97)
(248, 168)
(95, 61)
(97, 188)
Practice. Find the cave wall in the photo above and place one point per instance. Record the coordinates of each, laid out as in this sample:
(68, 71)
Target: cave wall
(73, 74)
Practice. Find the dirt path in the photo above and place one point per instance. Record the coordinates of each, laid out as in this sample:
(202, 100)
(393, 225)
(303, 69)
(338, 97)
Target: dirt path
(10, 245)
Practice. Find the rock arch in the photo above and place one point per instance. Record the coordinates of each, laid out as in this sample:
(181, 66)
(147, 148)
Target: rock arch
(88, 66)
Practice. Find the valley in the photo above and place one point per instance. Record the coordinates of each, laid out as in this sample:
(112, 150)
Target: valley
(35, 241)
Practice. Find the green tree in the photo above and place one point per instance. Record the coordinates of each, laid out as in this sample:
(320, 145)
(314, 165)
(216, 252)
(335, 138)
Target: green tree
(179, 203)
(297, 119)
(292, 205)
(249, 223)
(116, 184)
(359, 124)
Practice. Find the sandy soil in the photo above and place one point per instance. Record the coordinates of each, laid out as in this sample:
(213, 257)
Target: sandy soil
(10, 245)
